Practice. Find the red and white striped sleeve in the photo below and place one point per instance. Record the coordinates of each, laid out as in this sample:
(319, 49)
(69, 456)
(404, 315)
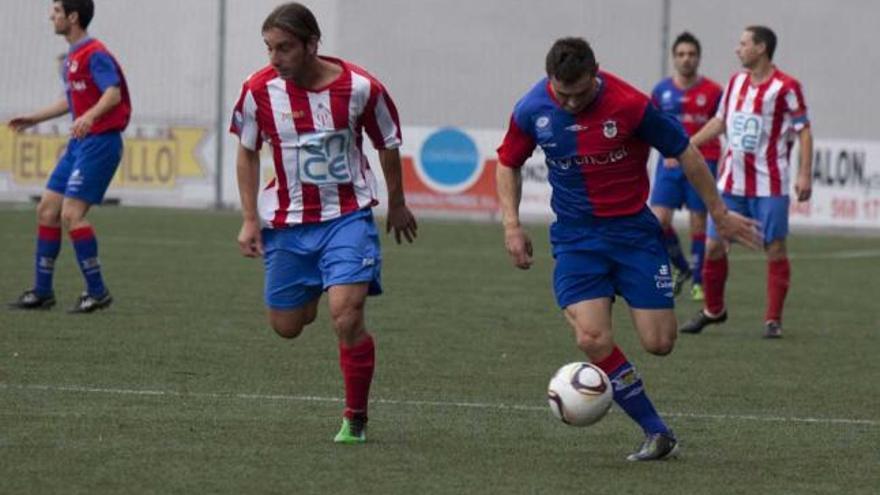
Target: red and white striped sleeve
(244, 120)
(381, 121)
(796, 106)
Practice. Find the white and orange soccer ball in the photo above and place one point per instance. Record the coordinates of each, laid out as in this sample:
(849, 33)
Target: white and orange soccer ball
(579, 394)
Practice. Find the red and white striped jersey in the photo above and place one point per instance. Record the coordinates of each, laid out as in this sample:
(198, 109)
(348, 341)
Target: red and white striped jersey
(316, 137)
(762, 122)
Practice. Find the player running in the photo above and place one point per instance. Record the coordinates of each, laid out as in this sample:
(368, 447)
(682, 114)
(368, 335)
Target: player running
(596, 132)
(693, 100)
(762, 112)
(313, 223)
(97, 97)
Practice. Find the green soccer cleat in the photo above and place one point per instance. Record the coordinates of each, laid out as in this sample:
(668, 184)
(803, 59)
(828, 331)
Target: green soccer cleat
(697, 293)
(353, 431)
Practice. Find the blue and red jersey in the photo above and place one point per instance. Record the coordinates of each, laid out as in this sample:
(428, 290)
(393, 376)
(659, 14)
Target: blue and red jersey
(693, 107)
(89, 69)
(597, 158)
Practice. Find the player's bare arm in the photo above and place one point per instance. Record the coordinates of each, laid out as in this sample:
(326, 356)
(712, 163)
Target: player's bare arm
(714, 128)
(516, 240)
(400, 218)
(109, 99)
(54, 110)
(731, 225)
(803, 186)
(248, 171)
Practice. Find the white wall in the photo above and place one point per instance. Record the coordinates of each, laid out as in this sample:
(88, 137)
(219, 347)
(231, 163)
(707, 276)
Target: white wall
(446, 62)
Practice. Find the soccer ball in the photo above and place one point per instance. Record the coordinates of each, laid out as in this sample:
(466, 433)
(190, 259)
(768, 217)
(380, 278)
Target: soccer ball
(579, 394)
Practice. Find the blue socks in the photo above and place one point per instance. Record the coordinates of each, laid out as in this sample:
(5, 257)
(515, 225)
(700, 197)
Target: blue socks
(698, 253)
(629, 392)
(673, 248)
(48, 247)
(86, 246)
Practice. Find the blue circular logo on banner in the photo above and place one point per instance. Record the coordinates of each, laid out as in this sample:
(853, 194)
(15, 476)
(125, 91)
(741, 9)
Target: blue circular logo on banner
(450, 161)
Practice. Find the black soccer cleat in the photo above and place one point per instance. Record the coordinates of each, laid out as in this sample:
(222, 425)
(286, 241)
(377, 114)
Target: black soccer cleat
(31, 300)
(681, 277)
(700, 321)
(656, 447)
(772, 330)
(89, 304)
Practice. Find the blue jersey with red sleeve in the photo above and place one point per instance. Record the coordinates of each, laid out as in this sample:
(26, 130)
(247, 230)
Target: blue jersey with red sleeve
(693, 107)
(596, 159)
(89, 70)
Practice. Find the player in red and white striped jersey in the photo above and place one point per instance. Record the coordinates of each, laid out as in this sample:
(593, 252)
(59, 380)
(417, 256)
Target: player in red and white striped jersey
(313, 223)
(762, 112)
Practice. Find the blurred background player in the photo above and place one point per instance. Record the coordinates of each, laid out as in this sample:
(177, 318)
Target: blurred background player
(693, 99)
(313, 224)
(762, 112)
(596, 132)
(97, 96)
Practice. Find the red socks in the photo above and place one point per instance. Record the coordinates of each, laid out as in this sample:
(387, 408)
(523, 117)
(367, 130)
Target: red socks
(778, 278)
(357, 363)
(614, 360)
(714, 278)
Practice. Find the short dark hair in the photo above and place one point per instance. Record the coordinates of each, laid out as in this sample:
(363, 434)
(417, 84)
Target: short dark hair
(766, 36)
(85, 9)
(296, 19)
(687, 37)
(569, 59)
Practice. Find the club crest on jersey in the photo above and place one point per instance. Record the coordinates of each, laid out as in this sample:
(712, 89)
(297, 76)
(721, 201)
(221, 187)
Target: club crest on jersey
(609, 129)
(543, 129)
(74, 66)
(701, 100)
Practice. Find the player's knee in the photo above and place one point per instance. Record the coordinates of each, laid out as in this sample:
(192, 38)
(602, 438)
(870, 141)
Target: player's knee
(48, 214)
(288, 325)
(348, 319)
(288, 329)
(714, 250)
(662, 343)
(776, 250)
(71, 219)
(592, 339)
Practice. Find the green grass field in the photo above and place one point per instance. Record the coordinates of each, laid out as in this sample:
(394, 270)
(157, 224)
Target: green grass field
(181, 387)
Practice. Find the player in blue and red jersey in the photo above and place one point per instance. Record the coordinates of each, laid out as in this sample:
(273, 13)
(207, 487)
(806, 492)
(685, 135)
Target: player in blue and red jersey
(693, 100)
(97, 96)
(596, 132)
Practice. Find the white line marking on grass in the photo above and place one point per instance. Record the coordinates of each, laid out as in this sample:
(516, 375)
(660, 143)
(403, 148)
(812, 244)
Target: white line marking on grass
(415, 403)
(231, 246)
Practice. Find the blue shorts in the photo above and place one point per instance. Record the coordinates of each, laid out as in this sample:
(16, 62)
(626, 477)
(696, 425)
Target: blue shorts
(87, 167)
(770, 211)
(672, 189)
(604, 257)
(303, 261)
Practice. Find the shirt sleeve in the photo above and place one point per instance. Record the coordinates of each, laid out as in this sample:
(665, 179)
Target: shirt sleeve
(244, 121)
(721, 113)
(517, 145)
(662, 131)
(103, 71)
(381, 121)
(796, 107)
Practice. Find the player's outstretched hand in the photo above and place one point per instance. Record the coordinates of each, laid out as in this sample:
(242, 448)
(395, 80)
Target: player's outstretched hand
(250, 242)
(21, 123)
(402, 222)
(519, 247)
(735, 227)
